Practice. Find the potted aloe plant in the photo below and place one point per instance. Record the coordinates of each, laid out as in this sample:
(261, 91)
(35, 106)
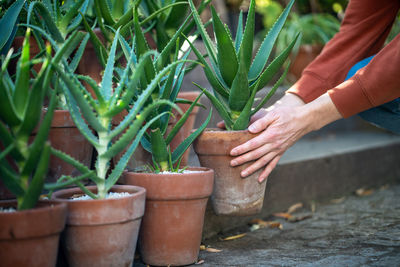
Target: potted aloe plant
(29, 229)
(102, 22)
(102, 229)
(58, 23)
(162, 28)
(163, 238)
(235, 79)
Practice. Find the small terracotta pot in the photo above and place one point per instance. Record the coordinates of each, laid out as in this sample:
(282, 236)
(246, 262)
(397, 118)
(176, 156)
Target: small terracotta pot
(30, 237)
(173, 222)
(232, 195)
(102, 232)
(187, 128)
(65, 136)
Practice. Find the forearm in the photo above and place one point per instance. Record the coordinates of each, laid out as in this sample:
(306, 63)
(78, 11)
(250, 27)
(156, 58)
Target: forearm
(319, 112)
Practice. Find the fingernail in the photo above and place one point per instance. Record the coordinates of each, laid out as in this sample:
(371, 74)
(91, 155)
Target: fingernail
(252, 128)
(233, 163)
(243, 173)
(233, 152)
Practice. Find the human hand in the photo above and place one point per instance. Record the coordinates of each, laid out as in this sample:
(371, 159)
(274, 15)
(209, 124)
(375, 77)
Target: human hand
(279, 129)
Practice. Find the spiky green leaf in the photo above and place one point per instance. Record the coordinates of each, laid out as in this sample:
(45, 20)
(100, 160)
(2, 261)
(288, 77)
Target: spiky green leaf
(246, 46)
(263, 53)
(227, 58)
(239, 32)
(8, 21)
(239, 93)
(180, 150)
(221, 108)
(36, 185)
(275, 65)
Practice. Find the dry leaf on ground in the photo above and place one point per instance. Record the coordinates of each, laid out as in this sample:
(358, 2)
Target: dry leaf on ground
(361, 192)
(295, 207)
(338, 200)
(202, 247)
(262, 224)
(199, 262)
(233, 237)
(213, 250)
(284, 215)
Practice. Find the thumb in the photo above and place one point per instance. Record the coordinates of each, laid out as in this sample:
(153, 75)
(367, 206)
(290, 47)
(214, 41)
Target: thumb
(261, 124)
(221, 125)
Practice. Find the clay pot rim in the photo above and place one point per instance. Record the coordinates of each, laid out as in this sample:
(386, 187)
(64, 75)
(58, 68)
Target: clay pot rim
(51, 216)
(44, 205)
(152, 182)
(190, 168)
(57, 196)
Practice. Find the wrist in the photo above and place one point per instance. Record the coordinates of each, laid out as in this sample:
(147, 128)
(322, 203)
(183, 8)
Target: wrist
(288, 100)
(320, 112)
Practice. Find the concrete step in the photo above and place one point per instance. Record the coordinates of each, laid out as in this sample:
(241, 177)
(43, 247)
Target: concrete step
(321, 166)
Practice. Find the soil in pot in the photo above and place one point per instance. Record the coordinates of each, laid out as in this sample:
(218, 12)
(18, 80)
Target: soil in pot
(102, 232)
(30, 238)
(173, 222)
(232, 195)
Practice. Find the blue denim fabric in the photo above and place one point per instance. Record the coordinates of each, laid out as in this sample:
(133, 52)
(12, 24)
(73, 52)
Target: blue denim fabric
(386, 116)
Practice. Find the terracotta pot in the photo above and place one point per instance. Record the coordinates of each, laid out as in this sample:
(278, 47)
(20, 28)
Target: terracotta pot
(305, 55)
(102, 232)
(232, 195)
(66, 137)
(187, 127)
(30, 237)
(173, 222)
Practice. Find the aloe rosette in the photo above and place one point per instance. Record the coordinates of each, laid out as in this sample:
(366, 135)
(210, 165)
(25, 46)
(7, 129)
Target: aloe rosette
(94, 118)
(24, 164)
(157, 142)
(236, 78)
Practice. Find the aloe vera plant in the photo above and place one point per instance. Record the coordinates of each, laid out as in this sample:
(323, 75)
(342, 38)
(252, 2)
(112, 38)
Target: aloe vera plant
(158, 140)
(24, 164)
(114, 14)
(163, 26)
(94, 117)
(8, 25)
(236, 78)
(58, 18)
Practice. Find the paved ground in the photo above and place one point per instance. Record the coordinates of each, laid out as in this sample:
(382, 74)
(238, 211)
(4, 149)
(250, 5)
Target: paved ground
(359, 230)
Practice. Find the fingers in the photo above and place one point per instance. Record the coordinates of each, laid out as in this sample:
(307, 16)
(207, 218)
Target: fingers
(252, 144)
(221, 125)
(259, 114)
(252, 155)
(261, 123)
(260, 163)
(267, 171)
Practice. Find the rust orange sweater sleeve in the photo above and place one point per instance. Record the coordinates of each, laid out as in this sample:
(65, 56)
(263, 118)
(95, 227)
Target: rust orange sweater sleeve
(363, 32)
